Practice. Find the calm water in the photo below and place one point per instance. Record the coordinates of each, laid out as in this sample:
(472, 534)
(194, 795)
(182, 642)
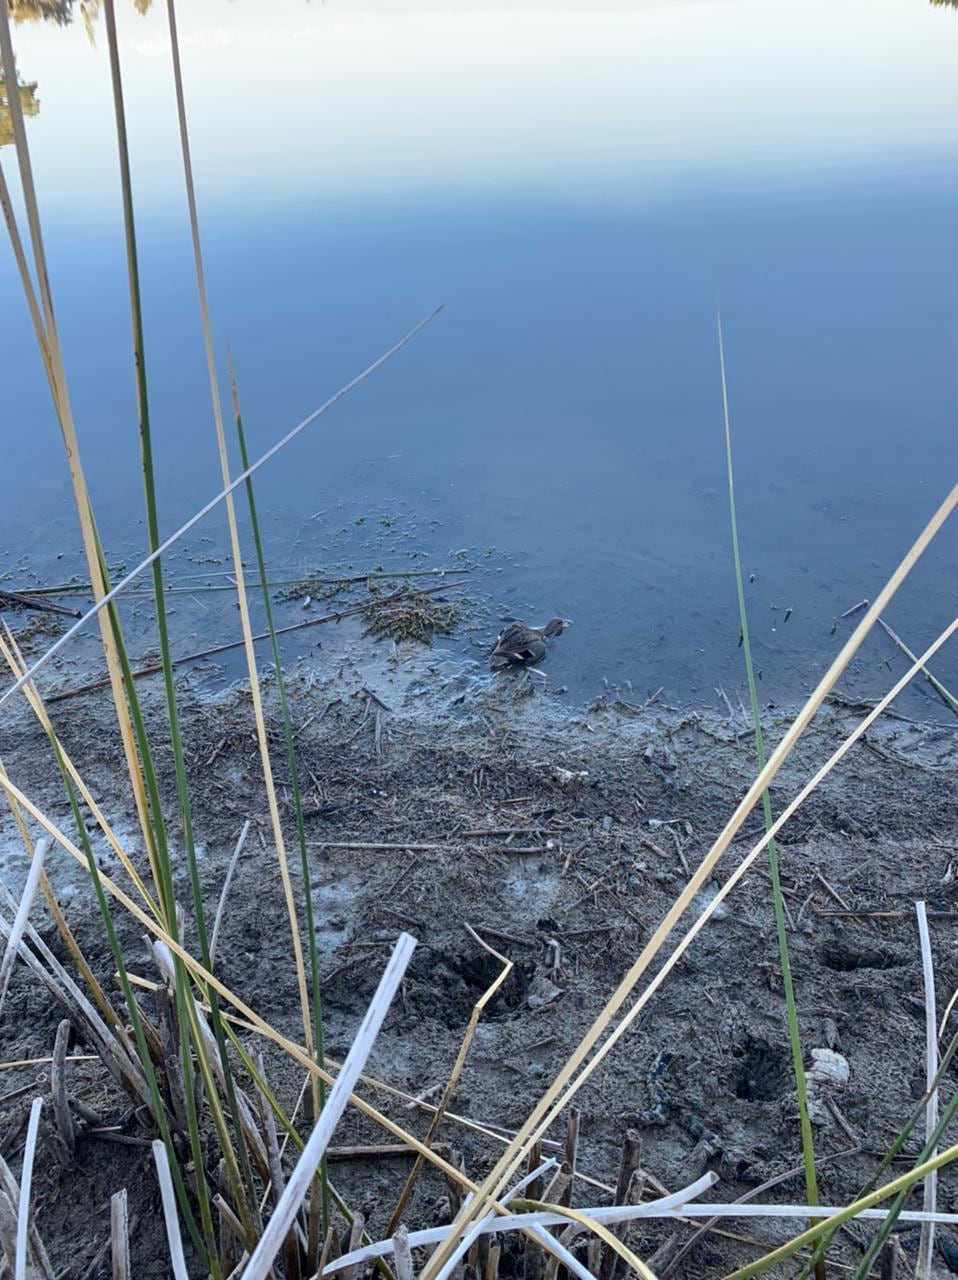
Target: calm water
(577, 185)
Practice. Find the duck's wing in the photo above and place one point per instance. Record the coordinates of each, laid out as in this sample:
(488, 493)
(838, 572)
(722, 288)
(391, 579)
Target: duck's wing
(517, 644)
(511, 638)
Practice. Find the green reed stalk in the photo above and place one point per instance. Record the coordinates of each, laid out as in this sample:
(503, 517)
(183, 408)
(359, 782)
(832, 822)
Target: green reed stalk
(319, 1085)
(241, 1178)
(794, 1034)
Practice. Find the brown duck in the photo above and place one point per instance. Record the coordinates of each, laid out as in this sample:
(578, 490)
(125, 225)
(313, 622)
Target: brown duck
(521, 645)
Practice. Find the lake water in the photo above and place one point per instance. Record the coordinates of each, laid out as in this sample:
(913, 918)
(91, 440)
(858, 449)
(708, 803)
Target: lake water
(578, 184)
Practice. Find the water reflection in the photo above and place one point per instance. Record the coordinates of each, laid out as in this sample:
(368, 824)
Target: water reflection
(576, 182)
(29, 103)
(62, 12)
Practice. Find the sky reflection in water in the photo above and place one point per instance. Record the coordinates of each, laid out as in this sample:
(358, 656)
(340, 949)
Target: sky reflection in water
(578, 184)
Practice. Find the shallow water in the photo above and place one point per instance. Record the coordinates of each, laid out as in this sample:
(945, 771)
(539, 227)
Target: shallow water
(577, 187)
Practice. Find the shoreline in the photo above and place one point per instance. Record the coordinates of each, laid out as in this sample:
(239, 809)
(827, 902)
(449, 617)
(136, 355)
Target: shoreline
(437, 797)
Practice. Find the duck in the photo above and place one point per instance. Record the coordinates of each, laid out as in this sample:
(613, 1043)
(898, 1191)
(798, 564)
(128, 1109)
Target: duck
(518, 644)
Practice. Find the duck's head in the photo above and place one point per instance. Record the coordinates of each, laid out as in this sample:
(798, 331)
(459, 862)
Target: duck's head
(555, 625)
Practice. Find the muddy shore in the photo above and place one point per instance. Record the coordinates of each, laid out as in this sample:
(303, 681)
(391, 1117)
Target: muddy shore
(438, 797)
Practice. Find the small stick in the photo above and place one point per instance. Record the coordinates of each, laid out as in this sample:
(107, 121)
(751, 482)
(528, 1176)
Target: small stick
(42, 606)
(832, 893)
(226, 888)
(883, 915)
(856, 608)
(119, 1235)
(889, 1258)
(534, 1190)
(355, 1240)
(374, 697)
(628, 1166)
(228, 1219)
(506, 937)
(492, 1263)
(402, 1254)
(558, 1186)
(571, 1151)
(412, 847)
(950, 701)
(381, 1151)
(58, 1087)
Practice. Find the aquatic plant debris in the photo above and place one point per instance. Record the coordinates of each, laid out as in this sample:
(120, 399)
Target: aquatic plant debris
(414, 617)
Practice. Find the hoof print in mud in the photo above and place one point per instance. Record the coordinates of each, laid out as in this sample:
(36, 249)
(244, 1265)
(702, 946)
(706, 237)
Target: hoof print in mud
(844, 956)
(448, 986)
(763, 1073)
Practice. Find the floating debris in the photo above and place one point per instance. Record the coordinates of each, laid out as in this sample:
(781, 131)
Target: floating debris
(415, 617)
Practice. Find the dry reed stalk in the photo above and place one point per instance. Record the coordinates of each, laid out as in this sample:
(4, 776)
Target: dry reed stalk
(113, 1047)
(926, 1247)
(8, 1233)
(58, 1087)
(204, 1037)
(950, 701)
(221, 905)
(675, 1202)
(120, 1235)
(10, 1196)
(277, 1182)
(26, 1185)
(568, 1081)
(173, 1239)
(454, 1075)
(237, 555)
(629, 1166)
(403, 1254)
(20, 918)
(301, 1177)
(51, 353)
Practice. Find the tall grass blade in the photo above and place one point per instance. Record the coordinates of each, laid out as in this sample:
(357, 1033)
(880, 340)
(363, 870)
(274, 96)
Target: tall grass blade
(778, 902)
(242, 600)
(318, 1088)
(239, 1163)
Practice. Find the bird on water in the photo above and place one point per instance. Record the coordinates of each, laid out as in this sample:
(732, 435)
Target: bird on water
(519, 644)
